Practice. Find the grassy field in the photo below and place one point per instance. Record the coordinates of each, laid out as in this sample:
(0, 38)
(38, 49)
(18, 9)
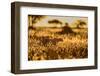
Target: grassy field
(55, 43)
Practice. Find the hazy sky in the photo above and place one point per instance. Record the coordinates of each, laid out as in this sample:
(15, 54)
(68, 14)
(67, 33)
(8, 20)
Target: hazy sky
(63, 19)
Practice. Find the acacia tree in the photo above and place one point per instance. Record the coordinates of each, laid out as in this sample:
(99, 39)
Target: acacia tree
(55, 21)
(34, 19)
(80, 23)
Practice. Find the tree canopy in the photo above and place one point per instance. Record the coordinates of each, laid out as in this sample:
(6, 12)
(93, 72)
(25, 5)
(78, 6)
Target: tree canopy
(55, 21)
(80, 23)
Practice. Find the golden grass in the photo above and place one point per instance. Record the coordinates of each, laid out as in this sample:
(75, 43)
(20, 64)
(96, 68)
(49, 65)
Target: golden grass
(48, 44)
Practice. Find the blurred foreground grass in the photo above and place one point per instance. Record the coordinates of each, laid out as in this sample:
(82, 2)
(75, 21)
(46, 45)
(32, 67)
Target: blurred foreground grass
(51, 43)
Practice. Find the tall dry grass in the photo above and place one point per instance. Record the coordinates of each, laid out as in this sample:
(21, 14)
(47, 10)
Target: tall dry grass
(49, 44)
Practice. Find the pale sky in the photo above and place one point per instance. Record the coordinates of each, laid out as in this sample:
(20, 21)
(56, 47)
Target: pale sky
(44, 22)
